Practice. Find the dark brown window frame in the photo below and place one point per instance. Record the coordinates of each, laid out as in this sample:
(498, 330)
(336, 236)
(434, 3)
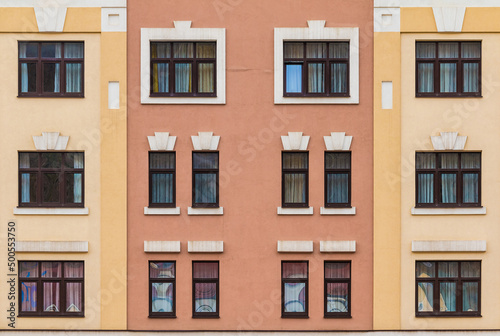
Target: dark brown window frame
(437, 181)
(459, 61)
(62, 290)
(288, 171)
(162, 280)
(328, 76)
(284, 314)
(338, 280)
(153, 171)
(62, 181)
(339, 171)
(39, 73)
(436, 296)
(206, 280)
(201, 171)
(171, 71)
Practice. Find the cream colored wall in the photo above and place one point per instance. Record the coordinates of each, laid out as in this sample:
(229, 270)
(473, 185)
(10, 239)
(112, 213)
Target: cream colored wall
(479, 120)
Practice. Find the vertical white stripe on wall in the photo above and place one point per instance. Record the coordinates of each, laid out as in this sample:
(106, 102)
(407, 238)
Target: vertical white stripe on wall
(114, 95)
(386, 95)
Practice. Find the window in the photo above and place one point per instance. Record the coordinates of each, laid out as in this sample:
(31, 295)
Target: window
(295, 179)
(448, 179)
(448, 69)
(337, 179)
(51, 179)
(183, 69)
(162, 179)
(205, 179)
(51, 288)
(205, 289)
(316, 69)
(337, 288)
(51, 69)
(445, 288)
(294, 288)
(162, 288)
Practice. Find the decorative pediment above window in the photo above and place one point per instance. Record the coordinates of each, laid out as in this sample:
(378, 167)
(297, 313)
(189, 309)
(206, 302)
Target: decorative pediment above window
(161, 141)
(449, 141)
(295, 141)
(338, 141)
(50, 141)
(205, 141)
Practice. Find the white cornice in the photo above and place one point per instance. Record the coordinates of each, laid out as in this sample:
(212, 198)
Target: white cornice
(63, 3)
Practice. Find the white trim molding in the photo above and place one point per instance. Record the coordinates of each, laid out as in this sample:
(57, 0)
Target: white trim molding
(448, 211)
(317, 31)
(448, 246)
(338, 141)
(160, 246)
(161, 141)
(295, 141)
(337, 211)
(387, 19)
(296, 211)
(162, 211)
(449, 141)
(205, 211)
(205, 246)
(113, 19)
(449, 19)
(183, 32)
(339, 246)
(50, 19)
(52, 246)
(50, 141)
(52, 211)
(297, 246)
(205, 141)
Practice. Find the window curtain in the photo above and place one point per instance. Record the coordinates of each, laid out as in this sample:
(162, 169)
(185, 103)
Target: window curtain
(73, 270)
(73, 297)
(162, 270)
(205, 188)
(183, 77)
(425, 181)
(206, 77)
(447, 290)
(294, 297)
(28, 296)
(203, 270)
(448, 71)
(426, 70)
(471, 77)
(316, 77)
(449, 181)
(24, 162)
(51, 298)
(160, 77)
(73, 77)
(162, 188)
(162, 297)
(338, 188)
(24, 67)
(295, 183)
(425, 297)
(77, 178)
(339, 78)
(205, 297)
(337, 270)
(470, 296)
(337, 297)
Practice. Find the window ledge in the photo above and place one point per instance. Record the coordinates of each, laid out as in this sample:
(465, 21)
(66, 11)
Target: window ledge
(295, 211)
(337, 211)
(52, 211)
(448, 211)
(162, 211)
(205, 211)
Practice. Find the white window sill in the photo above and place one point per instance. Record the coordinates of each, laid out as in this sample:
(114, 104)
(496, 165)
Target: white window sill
(295, 211)
(52, 211)
(448, 211)
(205, 211)
(162, 211)
(337, 211)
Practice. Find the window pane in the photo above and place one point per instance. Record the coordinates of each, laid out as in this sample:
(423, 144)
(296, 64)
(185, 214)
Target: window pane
(294, 270)
(471, 77)
(28, 296)
(183, 50)
(205, 270)
(294, 50)
(449, 161)
(206, 77)
(295, 160)
(162, 160)
(426, 161)
(338, 161)
(471, 160)
(160, 50)
(337, 270)
(28, 49)
(471, 49)
(160, 77)
(206, 160)
(470, 296)
(295, 188)
(337, 186)
(51, 270)
(448, 49)
(183, 76)
(448, 188)
(339, 78)
(425, 77)
(51, 50)
(29, 185)
(73, 269)
(425, 187)
(425, 300)
(74, 188)
(470, 188)
(51, 296)
(73, 77)
(51, 77)
(162, 188)
(426, 269)
(162, 297)
(337, 296)
(448, 269)
(74, 297)
(316, 78)
(205, 297)
(205, 50)
(28, 77)
(50, 188)
(73, 160)
(339, 50)
(51, 160)
(294, 297)
(448, 77)
(316, 50)
(28, 269)
(162, 270)
(448, 297)
(73, 50)
(426, 50)
(471, 269)
(205, 188)
(28, 160)
(293, 78)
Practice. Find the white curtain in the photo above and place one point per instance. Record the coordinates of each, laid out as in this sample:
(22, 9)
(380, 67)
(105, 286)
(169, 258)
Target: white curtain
(73, 77)
(183, 77)
(471, 77)
(339, 78)
(316, 80)
(425, 77)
